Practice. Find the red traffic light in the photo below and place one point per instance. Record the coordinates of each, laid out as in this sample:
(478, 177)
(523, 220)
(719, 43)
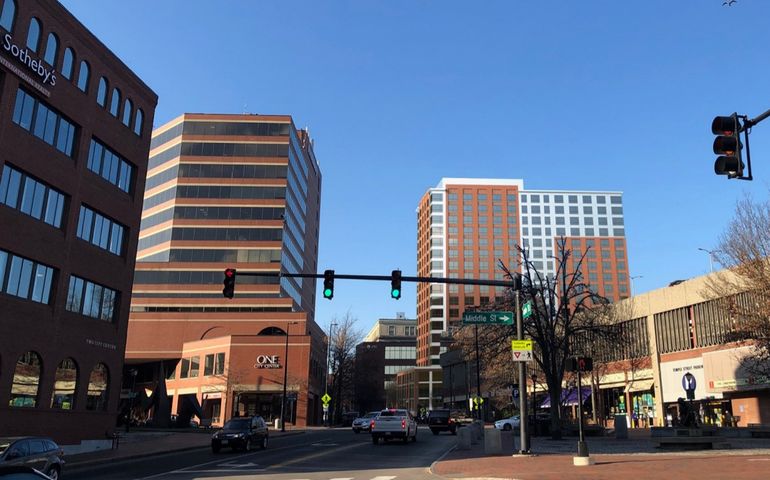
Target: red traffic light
(230, 272)
(725, 125)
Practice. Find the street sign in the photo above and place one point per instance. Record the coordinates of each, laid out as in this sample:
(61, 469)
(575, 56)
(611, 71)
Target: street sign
(526, 310)
(487, 318)
(326, 398)
(522, 350)
(515, 393)
(689, 384)
(326, 407)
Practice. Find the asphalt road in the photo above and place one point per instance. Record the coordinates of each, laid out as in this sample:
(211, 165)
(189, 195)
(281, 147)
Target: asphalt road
(314, 455)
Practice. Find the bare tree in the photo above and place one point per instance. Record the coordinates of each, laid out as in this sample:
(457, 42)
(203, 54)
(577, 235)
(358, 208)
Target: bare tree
(343, 347)
(568, 318)
(743, 289)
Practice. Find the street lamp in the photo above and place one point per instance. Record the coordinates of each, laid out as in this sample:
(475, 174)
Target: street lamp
(711, 257)
(632, 282)
(285, 375)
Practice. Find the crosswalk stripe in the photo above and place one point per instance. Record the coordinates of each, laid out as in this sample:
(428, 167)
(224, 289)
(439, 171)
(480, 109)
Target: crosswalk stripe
(347, 478)
(384, 478)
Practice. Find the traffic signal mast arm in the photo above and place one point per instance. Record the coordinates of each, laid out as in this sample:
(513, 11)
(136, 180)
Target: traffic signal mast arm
(516, 284)
(753, 121)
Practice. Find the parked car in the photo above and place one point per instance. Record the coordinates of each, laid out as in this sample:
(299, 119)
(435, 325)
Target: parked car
(508, 423)
(441, 420)
(22, 473)
(242, 433)
(363, 423)
(393, 423)
(42, 454)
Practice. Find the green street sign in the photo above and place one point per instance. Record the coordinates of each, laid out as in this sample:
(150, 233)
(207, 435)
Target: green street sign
(326, 398)
(487, 318)
(526, 310)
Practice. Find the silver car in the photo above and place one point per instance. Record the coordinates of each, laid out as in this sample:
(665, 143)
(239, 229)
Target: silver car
(363, 424)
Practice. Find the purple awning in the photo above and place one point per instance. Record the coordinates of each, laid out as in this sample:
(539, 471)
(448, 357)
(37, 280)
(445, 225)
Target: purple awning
(569, 397)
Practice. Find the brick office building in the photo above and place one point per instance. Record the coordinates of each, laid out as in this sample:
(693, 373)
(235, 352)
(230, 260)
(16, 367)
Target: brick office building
(74, 137)
(228, 191)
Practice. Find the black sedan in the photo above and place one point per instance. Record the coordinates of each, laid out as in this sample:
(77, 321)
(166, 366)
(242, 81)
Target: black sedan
(242, 433)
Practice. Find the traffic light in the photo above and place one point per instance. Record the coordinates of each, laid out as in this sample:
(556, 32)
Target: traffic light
(395, 284)
(580, 364)
(728, 146)
(229, 283)
(329, 284)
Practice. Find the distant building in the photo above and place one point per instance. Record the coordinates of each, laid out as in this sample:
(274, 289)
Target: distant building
(229, 191)
(466, 225)
(74, 135)
(388, 349)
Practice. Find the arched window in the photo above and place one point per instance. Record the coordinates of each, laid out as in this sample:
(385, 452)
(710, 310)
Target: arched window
(26, 380)
(98, 385)
(33, 35)
(128, 107)
(8, 15)
(101, 94)
(272, 331)
(51, 49)
(67, 62)
(138, 122)
(83, 76)
(115, 102)
(65, 384)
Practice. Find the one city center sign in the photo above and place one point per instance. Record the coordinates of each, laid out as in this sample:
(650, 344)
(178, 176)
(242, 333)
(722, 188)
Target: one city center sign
(267, 361)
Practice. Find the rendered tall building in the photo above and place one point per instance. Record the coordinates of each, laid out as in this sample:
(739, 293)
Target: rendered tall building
(465, 225)
(75, 129)
(229, 191)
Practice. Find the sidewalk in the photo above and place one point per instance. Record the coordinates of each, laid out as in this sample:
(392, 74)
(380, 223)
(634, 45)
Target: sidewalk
(146, 443)
(552, 459)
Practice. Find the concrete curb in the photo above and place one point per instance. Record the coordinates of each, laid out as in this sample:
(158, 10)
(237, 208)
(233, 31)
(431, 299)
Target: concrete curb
(74, 465)
(430, 469)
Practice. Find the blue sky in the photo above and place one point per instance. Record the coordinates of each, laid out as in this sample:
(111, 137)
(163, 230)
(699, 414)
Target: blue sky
(594, 95)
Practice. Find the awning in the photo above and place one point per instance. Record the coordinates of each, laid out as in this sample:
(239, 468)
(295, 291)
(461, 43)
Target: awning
(569, 397)
(639, 385)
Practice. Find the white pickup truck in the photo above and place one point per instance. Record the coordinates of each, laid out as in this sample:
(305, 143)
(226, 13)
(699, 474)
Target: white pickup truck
(393, 423)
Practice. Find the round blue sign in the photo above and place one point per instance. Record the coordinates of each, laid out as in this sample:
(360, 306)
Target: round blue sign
(688, 382)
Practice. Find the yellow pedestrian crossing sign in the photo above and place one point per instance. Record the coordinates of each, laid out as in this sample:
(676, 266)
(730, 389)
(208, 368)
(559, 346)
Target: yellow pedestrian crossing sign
(326, 398)
(522, 350)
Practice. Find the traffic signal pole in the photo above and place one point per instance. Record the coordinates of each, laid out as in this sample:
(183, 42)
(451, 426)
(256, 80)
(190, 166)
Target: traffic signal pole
(516, 285)
(523, 427)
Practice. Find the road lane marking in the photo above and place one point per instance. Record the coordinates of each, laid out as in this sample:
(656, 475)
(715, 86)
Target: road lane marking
(316, 455)
(346, 478)
(185, 469)
(384, 477)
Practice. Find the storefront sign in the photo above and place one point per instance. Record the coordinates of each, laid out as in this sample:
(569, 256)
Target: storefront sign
(672, 374)
(100, 344)
(267, 361)
(37, 66)
(730, 370)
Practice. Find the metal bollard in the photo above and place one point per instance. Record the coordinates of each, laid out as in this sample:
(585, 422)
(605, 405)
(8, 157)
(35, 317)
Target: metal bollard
(492, 442)
(464, 438)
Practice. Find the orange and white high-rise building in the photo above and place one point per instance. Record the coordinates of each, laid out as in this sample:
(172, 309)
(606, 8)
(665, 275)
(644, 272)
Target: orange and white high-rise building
(466, 225)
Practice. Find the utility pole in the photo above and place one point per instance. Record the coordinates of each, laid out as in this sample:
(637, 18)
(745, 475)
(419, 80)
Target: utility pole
(326, 378)
(478, 374)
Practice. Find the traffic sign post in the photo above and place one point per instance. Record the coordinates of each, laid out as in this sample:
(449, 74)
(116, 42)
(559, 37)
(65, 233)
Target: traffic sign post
(487, 318)
(326, 398)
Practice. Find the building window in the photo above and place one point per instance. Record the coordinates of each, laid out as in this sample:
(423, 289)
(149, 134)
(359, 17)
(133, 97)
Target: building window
(128, 107)
(83, 76)
(101, 231)
(219, 364)
(98, 383)
(43, 122)
(65, 384)
(208, 365)
(29, 196)
(51, 50)
(101, 93)
(115, 102)
(138, 122)
(33, 35)
(391, 330)
(26, 380)
(8, 15)
(110, 166)
(67, 63)
(24, 278)
(91, 299)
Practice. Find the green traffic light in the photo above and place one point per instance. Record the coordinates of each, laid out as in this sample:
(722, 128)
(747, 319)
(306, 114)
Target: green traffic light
(328, 293)
(395, 293)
